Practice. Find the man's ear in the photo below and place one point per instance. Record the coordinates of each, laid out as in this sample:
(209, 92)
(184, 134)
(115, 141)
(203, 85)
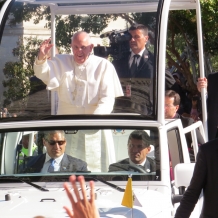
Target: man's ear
(44, 141)
(91, 47)
(177, 107)
(146, 38)
(149, 149)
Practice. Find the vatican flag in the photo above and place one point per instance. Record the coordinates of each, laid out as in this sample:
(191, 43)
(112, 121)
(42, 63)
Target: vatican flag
(128, 195)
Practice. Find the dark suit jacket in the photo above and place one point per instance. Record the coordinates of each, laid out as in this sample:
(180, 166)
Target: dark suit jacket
(144, 70)
(68, 164)
(187, 121)
(212, 105)
(170, 82)
(123, 165)
(141, 85)
(205, 177)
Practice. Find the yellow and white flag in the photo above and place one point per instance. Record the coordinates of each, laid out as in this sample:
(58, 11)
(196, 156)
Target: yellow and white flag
(129, 198)
(128, 195)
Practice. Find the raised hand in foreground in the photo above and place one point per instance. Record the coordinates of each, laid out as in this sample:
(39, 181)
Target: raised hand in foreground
(82, 208)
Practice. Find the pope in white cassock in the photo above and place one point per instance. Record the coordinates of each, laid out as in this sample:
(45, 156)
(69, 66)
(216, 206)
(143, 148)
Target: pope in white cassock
(86, 84)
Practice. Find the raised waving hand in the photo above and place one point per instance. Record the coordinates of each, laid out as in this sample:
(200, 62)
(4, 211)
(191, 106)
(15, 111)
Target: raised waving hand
(44, 49)
(81, 206)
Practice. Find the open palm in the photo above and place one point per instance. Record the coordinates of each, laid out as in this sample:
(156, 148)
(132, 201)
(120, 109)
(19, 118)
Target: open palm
(44, 49)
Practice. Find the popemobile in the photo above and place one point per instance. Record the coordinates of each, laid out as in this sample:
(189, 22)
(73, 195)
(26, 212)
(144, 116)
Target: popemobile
(100, 145)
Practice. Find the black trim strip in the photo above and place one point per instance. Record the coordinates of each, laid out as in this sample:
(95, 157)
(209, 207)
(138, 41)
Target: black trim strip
(156, 52)
(4, 18)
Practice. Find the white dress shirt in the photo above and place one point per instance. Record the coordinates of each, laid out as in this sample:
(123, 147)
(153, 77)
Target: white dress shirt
(141, 164)
(47, 163)
(139, 58)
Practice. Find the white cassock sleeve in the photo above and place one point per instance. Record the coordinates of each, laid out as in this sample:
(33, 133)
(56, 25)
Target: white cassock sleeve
(103, 84)
(53, 72)
(110, 88)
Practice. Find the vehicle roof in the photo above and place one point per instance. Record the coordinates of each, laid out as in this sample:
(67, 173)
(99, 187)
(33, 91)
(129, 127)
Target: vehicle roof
(151, 5)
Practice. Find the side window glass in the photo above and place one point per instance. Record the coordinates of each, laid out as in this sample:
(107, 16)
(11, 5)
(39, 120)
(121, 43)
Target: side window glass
(130, 48)
(175, 149)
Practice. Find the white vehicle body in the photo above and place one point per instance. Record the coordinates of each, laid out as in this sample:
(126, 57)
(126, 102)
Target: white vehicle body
(158, 197)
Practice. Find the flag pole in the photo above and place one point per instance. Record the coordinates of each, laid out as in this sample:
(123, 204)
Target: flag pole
(132, 212)
(130, 176)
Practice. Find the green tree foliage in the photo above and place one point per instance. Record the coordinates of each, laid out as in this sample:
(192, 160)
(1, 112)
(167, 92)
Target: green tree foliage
(66, 26)
(24, 12)
(210, 25)
(182, 39)
(16, 81)
(17, 74)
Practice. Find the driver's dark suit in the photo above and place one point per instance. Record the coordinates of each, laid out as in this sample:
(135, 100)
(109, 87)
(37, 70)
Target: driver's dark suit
(124, 165)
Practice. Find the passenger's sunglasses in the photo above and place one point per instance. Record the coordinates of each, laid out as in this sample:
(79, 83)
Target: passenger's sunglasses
(52, 142)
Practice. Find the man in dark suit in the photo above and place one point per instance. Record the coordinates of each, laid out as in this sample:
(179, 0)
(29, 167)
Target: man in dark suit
(139, 62)
(54, 159)
(212, 103)
(205, 177)
(138, 148)
(172, 102)
(135, 71)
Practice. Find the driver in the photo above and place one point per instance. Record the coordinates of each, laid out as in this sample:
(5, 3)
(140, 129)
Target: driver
(138, 148)
(55, 158)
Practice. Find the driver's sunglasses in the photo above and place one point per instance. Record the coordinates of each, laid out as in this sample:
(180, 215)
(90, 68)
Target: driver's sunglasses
(52, 142)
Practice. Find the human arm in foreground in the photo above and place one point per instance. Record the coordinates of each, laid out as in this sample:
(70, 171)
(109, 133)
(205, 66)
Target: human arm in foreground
(82, 208)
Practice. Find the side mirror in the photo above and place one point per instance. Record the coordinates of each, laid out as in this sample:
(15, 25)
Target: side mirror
(183, 173)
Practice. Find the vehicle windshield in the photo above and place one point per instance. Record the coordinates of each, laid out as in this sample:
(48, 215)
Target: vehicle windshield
(29, 23)
(107, 154)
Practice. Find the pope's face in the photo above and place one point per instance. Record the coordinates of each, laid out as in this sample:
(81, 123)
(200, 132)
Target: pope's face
(81, 48)
(55, 145)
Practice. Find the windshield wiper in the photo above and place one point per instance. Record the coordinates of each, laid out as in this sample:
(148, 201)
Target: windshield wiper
(27, 182)
(110, 184)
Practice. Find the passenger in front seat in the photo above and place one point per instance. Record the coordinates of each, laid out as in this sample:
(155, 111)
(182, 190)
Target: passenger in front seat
(138, 148)
(55, 158)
